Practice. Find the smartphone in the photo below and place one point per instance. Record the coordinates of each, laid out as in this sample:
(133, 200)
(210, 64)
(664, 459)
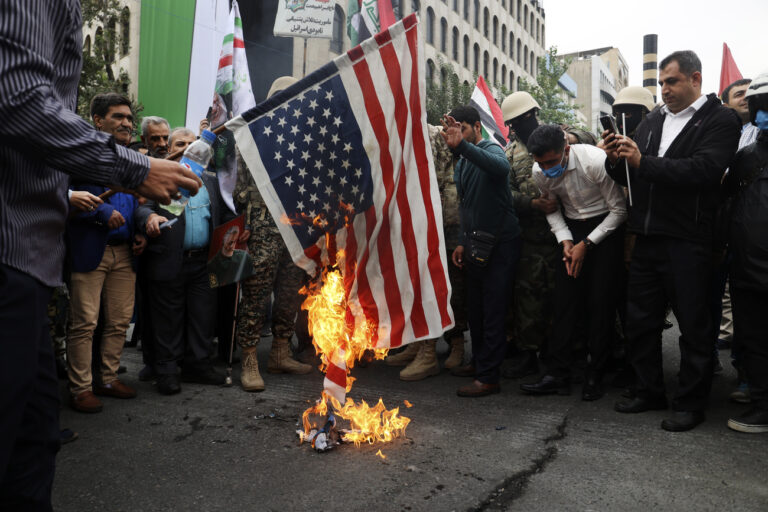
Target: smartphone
(169, 223)
(609, 124)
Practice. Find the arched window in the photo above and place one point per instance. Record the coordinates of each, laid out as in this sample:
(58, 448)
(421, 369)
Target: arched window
(495, 30)
(503, 38)
(511, 10)
(477, 14)
(495, 71)
(125, 31)
(519, 51)
(519, 82)
(504, 75)
(511, 80)
(466, 11)
(430, 26)
(430, 72)
(443, 35)
(466, 51)
(519, 8)
(511, 45)
(525, 57)
(337, 41)
(525, 18)
(486, 63)
(443, 76)
(533, 65)
(476, 51)
(531, 24)
(456, 5)
(455, 44)
(543, 42)
(537, 31)
(87, 45)
(486, 19)
(415, 6)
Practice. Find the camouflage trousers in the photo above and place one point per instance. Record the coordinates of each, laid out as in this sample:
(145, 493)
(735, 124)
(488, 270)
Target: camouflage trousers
(529, 320)
(274, 271)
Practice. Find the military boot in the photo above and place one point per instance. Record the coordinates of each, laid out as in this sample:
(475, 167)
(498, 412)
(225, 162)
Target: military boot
(404, 357)
(456, 357)
(250, 378)
(424, 365)
(280, 360)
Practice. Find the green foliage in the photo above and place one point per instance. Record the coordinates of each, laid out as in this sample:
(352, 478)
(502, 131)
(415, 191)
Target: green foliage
(99, 64)
(546, 91)
(445, 92)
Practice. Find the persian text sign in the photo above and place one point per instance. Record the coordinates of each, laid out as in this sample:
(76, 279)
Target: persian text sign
(304, 18)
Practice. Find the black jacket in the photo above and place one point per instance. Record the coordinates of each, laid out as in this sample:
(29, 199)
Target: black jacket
(677, 195)
(747, 182)
(165, 253)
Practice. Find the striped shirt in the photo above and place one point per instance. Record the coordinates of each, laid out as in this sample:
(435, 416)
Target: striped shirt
(42, 140)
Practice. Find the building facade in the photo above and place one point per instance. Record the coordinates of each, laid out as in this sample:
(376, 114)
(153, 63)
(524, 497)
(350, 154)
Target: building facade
(498, 39)
(599, 75)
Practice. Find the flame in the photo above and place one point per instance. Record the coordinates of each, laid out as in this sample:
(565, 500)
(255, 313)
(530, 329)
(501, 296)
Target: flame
(337, 335)
(381, 454)
(407, 404)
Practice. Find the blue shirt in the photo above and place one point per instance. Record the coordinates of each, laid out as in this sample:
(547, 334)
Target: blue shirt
(126, 205)
(198, 213)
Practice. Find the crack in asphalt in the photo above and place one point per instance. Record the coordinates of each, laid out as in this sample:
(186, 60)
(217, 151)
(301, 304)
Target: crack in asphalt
(514, 486)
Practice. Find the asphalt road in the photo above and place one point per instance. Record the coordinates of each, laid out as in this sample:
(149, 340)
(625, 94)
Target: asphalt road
(212, 449)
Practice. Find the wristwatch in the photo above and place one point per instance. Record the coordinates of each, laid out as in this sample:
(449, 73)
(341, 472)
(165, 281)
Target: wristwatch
(589, 244)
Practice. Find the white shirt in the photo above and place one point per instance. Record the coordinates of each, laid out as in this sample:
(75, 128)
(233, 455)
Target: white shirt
(674, 123)
(749, 134)
(585, 190)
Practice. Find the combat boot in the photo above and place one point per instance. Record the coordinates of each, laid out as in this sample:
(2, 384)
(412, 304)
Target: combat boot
(424, 365)
(405, 357)
(250, 378)
(456, 357)
(280, 360)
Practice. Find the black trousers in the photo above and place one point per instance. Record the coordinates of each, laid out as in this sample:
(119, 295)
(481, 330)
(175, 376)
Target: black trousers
(666, 269)
(489, 290)
(184, 318)
(585, 307)
(29, 397)
(750, 323)
(227, 297)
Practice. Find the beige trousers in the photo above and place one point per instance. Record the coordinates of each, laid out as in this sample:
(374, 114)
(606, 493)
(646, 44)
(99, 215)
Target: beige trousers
(110, 285)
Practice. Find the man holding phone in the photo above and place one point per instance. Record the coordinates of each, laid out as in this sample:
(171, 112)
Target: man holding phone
(676, 166)
(590, 235)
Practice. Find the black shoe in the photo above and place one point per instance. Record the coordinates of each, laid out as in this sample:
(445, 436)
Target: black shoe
(527, 364)
(592, 390)
(682, 421)
(639, 404)
(207, 376)
(168, 384)
(67, 436)
(754, 421)
(121, 369)
(548, 385)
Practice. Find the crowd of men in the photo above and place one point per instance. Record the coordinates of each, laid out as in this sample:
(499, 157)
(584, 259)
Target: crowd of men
(566, 253)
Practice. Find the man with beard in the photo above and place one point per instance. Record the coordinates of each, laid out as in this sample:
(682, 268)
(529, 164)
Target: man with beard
(154, 134)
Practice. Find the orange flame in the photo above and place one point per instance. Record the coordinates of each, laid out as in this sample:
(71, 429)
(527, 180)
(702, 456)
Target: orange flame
(381, 454)
(335, 334)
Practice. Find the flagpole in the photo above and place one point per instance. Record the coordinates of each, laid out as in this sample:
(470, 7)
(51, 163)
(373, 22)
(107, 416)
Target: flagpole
(304, 65)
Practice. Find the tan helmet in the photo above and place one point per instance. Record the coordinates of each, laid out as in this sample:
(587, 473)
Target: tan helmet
(281, 83)
(635, 95)
(517, 104)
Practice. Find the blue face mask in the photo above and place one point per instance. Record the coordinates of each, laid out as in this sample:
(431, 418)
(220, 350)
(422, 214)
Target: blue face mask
(556, 170)
(761, 120)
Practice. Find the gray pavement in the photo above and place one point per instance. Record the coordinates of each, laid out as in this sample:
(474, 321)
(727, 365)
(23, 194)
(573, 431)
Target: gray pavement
(213, 448)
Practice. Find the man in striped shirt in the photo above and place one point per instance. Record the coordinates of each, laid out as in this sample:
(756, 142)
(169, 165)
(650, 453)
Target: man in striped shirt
(42, 143)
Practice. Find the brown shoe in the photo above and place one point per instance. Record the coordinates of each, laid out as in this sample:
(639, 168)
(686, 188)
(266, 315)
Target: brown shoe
(115, 389)
(478, 388)
(86, 402)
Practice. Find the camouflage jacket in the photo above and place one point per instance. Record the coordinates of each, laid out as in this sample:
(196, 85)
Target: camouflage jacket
(444, 162)
(533, 222)
(248, 201)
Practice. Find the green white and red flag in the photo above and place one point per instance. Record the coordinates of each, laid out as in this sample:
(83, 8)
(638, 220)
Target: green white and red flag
(491, 117)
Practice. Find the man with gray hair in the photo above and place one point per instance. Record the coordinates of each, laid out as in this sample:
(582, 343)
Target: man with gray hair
(179, 140)
(154, 134)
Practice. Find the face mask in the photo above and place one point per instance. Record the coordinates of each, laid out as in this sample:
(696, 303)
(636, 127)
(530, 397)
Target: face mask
(761, 120)
(524, 128)
(634, 117)
(555, 171)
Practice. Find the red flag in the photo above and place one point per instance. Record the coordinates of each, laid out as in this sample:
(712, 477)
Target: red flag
(729, 73)
(386, 14)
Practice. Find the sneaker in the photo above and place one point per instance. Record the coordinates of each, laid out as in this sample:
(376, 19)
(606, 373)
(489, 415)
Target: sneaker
(741, 395)
(754, 421)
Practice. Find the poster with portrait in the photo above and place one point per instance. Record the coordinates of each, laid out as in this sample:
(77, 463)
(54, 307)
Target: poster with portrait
(228, 258)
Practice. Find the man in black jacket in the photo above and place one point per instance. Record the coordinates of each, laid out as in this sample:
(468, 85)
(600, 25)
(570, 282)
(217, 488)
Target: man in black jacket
(677, 160)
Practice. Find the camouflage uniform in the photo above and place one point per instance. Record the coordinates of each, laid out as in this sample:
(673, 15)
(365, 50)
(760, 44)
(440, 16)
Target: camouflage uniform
(530, 318)
(274, 270)
(444, 162)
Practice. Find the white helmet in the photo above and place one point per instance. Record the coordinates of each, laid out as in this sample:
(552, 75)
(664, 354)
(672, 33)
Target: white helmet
(517, 104)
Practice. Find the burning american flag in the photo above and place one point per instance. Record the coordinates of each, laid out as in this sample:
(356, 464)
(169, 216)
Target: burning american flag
(342, 157)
